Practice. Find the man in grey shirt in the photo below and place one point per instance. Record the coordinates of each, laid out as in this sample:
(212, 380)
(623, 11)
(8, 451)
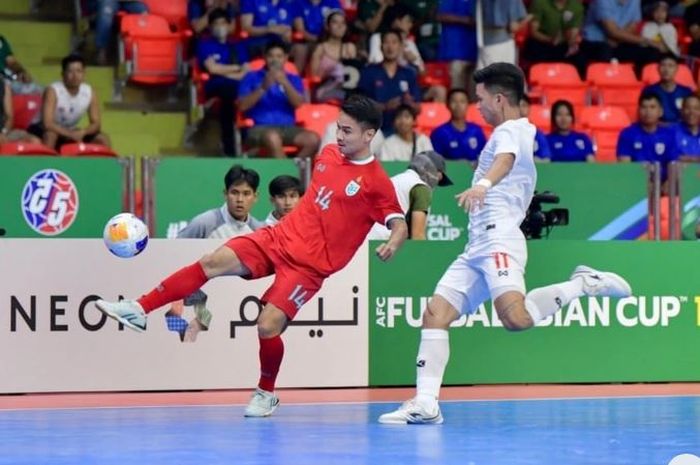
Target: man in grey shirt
(500, 19)
(232, 219)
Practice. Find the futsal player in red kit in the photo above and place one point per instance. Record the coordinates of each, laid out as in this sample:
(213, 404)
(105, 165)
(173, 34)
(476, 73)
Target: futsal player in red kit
(349, 192)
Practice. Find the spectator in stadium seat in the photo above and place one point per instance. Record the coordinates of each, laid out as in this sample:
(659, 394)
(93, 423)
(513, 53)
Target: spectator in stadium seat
(688, 130)
(65, 103)
(458, 139)
(458, 41)
(266, 21)
(647, 140)
(199, 12)
(427, 27)
(231, 219)
(285, 193)
(406, 142)
(106, 9)
(328, 56)
(660, 30)
(541, 148)
(10, 67)
(390, 84)
(501, 20)
(610, 31)
(691, 16)
(7, 132)
(370, 14)
(554, 30)
(226, 63)
(565, 144)
(669, 91)
(310, 24)
(400, 18)
(269, 97)
(414, 190)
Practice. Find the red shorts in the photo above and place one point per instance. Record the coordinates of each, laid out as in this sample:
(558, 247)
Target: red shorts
(292, 288)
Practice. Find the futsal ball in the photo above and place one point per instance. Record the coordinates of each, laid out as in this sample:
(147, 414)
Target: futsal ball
(125, 235)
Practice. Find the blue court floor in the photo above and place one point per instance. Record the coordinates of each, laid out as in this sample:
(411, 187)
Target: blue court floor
(605, 431)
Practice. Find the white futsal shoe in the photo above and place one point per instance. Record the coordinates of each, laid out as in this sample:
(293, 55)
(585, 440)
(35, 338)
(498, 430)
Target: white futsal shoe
(413, 412)
(127, 312)
(601, 283)
(262, 404)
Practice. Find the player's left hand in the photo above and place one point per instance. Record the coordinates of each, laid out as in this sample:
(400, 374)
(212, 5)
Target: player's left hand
(386, 250)
(472, 199)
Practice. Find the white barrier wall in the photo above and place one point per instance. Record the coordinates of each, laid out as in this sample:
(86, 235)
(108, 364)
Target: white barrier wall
(52, 338)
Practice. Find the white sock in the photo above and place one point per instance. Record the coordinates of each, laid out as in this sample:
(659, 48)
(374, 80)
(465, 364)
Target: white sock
(433, 354)
(545, 301)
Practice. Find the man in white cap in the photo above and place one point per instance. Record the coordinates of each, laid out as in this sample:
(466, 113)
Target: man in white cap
(414, 189)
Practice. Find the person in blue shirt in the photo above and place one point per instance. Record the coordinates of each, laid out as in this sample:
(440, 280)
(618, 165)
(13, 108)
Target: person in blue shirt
(565, 144)
(670, 92)
(225, 63)
(610, 31)
(688, 130)
(458, 139)
(646, 140)
(458, 40)
(266, 20)
(269, 97)
(541, 147)
(198, 12)
(310, 24)
(390, 84)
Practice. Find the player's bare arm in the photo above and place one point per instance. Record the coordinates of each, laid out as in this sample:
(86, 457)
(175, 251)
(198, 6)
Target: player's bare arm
(399, 233)
(473, 198)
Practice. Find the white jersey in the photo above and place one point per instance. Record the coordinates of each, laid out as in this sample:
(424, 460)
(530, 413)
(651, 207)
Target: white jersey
(506, 203)
(71, 108)
(403, 184)
(271, 219)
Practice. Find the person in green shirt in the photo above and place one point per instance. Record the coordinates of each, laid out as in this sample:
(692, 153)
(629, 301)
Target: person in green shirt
(9, 65)
(554, 30)
(427, 28)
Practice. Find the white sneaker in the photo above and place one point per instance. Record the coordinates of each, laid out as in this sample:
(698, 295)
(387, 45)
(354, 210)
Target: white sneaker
(602, 283)
(127, 312)
(262, 404)
(412, 412)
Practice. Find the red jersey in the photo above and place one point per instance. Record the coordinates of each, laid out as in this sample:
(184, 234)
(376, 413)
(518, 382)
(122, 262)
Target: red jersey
(339, 208)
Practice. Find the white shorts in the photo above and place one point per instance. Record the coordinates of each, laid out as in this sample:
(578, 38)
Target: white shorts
(479, 275)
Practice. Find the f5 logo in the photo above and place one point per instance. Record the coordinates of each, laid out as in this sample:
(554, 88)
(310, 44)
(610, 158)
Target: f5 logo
(298, 296)
(323, 198)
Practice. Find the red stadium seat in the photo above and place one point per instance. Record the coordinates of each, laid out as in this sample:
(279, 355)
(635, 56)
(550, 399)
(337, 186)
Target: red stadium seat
(26, 108)
(152, 54)
(540, 116)
(604, 123)
(650, 75)
(432, 115)
(82, 149)
(316, 116)
(174, 11)
(558, 81)
(25, 148)
(615, 84)
(437, 73)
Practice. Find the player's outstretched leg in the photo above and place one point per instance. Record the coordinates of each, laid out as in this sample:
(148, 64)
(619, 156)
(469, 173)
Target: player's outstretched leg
(546, 301)
(271, 323)
(132, 313)
(433, 355)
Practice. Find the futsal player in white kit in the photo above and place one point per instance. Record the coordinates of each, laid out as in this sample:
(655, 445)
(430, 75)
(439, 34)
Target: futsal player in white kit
(492, 265)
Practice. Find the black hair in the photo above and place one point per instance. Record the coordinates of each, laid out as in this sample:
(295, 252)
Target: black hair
(555, 108)
(456, 90)
(691, 96)
(218, 13)
(646, 96)
(238, 175)
(364, 110)
(502, 78)
(396, 32)
(668, 56)
(276, 43)
(395, 12)
(404, 108)
(326, 34)
(280, 184)
(72, 58)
